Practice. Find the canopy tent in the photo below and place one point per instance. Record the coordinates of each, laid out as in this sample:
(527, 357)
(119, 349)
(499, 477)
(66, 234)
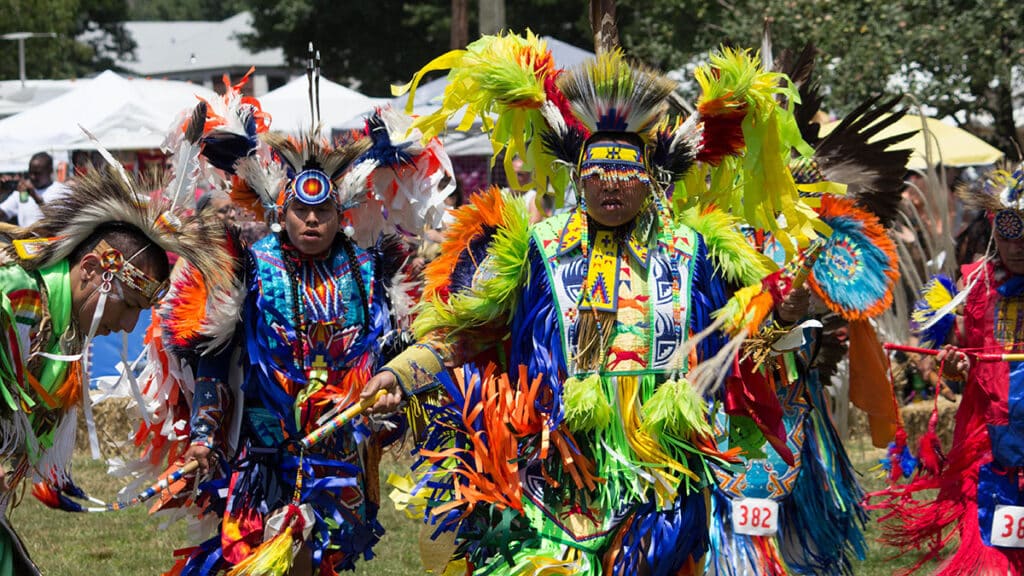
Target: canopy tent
(473, 142)
(288, 106)
(123, 113)
(937, 142)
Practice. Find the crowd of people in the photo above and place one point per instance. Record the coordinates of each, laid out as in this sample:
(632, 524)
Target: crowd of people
(620, 364)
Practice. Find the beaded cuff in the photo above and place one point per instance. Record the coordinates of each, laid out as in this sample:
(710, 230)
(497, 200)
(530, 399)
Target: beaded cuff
(416, 369)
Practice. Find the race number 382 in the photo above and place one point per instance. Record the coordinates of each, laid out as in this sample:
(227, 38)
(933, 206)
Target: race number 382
(756, 516)
(1008, 527)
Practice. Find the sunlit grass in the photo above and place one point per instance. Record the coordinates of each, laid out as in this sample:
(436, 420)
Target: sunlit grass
(130, 543)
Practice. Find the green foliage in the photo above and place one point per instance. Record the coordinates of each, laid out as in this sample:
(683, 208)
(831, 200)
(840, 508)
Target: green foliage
(384, 42)
(377, 43)
(185, 9)
(67, 55)
(956, 54)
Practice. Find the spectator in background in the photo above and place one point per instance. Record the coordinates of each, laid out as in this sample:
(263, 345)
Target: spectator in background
(22, 207)
(218, 202)
(81, 162)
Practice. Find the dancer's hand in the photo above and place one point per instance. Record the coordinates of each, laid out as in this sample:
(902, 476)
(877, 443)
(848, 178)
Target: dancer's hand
(388, 403)
(795, 306)
(955, 364)
(202, 454)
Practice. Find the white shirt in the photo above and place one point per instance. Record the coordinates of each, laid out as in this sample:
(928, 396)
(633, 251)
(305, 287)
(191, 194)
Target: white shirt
(28, 212)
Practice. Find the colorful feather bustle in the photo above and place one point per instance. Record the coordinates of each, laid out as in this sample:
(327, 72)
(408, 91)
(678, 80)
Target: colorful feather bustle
(930, 320)
(490, 234)
(734, 80)
(857, 269)
(411, 178)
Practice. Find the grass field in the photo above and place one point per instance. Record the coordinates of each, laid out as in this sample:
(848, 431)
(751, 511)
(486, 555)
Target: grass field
(129, 543)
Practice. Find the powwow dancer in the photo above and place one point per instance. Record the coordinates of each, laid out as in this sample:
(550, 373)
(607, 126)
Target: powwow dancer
(96, 259)
(977, 480)
(573, 436)
(309, 321)
(774, 517)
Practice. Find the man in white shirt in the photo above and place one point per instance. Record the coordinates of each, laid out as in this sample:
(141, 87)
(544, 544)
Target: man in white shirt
(22, 205)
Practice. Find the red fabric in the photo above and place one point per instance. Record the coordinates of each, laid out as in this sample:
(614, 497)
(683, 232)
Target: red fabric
(931, 526)
(752, 394)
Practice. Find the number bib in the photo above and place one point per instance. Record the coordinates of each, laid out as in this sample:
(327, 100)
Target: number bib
(1008, 527)
(1000, 507)
(755, 516)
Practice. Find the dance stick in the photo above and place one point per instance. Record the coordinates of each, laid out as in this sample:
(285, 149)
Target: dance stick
(984, 357)
(807, 265)
(316, 436)
(153, 490)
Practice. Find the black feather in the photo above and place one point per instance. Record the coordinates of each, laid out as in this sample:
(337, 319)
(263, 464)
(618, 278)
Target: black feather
(391, 253)
(801, 72)
(223, 149)
(676, 163)
(567, 147)
(196, 123)
(873, 173)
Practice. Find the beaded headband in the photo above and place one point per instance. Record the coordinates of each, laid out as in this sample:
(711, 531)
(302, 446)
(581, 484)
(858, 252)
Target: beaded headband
(614, 162)
(111, 260)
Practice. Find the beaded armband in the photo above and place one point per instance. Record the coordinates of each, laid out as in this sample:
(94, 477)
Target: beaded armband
(416, 369)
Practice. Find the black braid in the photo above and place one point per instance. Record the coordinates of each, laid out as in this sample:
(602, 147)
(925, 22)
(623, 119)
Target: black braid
(353, 265)
(298, 320)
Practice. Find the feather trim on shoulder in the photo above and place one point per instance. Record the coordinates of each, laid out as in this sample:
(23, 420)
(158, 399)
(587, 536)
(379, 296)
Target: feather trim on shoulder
(483, 264)
(194, 317)
(737, 261)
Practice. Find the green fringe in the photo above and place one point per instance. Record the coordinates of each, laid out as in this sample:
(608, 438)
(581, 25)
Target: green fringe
(675, 409)
(586, 405)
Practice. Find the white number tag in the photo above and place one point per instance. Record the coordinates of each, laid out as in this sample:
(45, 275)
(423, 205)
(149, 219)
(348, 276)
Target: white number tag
(755, 516)
(1008, 527)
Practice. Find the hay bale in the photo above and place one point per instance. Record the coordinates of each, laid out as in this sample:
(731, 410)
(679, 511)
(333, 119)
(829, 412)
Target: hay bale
(915, 421)
(114, 427)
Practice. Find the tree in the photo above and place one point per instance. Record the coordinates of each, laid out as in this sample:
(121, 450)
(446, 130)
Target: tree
(185, 9)
(374, 43)
(954, 55)
(384, 42)
(90, 36)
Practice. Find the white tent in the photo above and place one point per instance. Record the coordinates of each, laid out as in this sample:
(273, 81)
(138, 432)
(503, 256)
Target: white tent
(474, 142)
(288, 106)
(123, 113)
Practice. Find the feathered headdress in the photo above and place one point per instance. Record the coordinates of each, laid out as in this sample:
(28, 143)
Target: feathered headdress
(380, 180)
(106, 196)
(1002, 196)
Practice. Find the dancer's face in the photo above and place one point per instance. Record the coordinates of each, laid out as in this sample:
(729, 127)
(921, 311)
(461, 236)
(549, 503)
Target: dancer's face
(1011, 252)
(613, 204)
(311, 229)
(123, 306)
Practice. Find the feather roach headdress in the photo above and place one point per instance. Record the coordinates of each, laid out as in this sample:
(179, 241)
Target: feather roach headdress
(1002, 196)
(382, 181)
(164, 215)
(510, 83)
